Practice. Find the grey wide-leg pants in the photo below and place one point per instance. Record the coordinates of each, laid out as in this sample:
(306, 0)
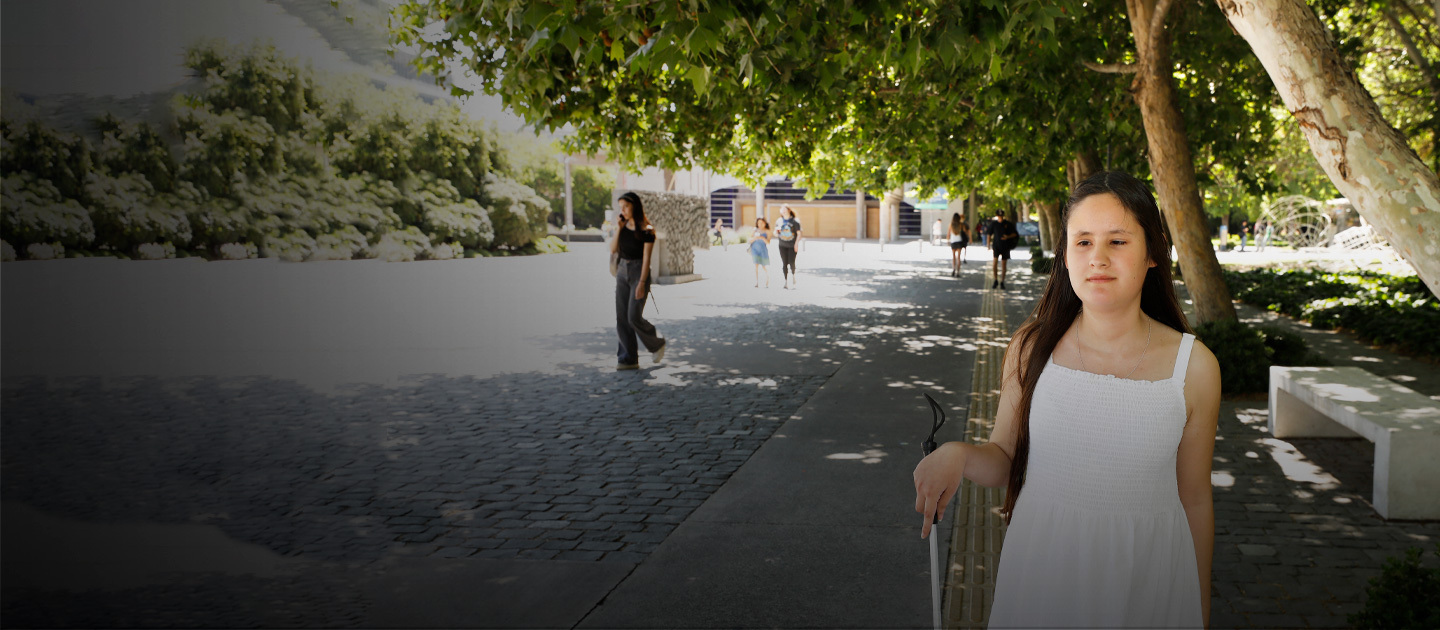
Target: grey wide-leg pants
(629, 319)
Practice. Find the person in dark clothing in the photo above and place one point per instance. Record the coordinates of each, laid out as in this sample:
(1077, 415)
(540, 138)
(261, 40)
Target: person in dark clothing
(787, 231)
(634, 242)
(1003, 238)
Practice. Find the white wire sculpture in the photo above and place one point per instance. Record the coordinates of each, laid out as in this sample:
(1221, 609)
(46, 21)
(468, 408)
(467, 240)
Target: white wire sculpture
(1300, 220)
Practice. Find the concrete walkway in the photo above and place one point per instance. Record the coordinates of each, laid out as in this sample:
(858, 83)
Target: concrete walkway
(447, 445)
(276, 432)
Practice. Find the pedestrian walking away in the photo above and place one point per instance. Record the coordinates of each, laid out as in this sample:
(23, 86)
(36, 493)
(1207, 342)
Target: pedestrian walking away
(717, 233)
(787, 231)
(1003, 238)
(1244, 234)
(760, 250)
(937, 231)
(959, 240)
(1103, 435)
(635, 244)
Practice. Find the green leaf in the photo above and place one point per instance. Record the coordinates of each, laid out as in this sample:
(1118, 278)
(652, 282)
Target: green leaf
(617, 50)
(535, 38)
(700, 77)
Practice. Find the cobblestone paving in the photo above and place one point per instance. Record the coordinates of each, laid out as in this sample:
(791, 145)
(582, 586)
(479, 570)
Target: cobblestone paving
(573, 466)
(1296, 539)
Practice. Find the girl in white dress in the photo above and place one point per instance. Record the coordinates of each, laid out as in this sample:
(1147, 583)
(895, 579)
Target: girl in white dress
(1103, 436)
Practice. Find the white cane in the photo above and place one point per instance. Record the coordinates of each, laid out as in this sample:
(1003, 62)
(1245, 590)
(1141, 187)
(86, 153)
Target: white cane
(935, 573)
(938, 420)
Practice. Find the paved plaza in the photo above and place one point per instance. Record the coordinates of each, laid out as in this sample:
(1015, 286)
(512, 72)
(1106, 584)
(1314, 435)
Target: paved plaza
(447, 444)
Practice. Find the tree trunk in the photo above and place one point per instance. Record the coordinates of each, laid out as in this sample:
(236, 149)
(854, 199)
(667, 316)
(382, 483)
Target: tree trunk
(1050, 225)
(1366, 158)
(971, 213)
(1173, 168)
(1086, 164)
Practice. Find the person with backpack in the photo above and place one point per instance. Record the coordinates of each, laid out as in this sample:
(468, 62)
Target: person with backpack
(787, 230)
(1003, 238)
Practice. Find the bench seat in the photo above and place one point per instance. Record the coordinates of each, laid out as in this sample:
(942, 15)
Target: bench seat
(1352, 402)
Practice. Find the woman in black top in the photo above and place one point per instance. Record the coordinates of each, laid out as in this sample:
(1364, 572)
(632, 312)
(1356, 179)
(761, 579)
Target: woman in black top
(959, 240)
(634, 242)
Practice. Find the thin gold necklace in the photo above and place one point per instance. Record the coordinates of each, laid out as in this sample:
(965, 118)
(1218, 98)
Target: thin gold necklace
(1148, 325)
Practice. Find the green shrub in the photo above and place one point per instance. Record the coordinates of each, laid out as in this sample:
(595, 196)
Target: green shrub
(516, 212)
(1241, 351)
(402, 245)
(34, 211)
(1379, 308)
(1406, 595)
(551, 245)
(1039, 263)
(1245, 353)
(63, 159)
(1288, 348)
(128, 213)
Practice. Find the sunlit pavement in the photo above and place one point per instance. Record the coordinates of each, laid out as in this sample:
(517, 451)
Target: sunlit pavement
(448, 444)
(260, 443)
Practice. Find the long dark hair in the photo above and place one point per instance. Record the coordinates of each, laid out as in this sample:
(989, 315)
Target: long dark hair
(637, 211)
(1059, 305)
(957, 225)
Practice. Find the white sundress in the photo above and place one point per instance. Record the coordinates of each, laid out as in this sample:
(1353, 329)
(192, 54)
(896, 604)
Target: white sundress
(1099, 538)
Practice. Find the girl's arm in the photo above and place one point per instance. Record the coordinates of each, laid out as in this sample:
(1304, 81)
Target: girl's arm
(938, 476)
(1192, 464)
(644, 272)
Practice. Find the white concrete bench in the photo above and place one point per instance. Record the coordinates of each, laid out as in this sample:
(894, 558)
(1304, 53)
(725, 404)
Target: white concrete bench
(1351, 402)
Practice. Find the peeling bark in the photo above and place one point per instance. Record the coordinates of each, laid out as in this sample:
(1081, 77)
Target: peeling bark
(1367, 159)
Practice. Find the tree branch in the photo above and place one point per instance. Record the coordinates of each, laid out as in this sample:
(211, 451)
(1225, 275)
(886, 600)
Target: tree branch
(1112, 68)
(1157, 25)
(1410, 49)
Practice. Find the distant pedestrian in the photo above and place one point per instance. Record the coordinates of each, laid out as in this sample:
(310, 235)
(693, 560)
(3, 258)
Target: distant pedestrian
(787, 230)
(1003, 238)
(1269, 232)
(635, 244)
(760, 250)
(1244, 234)
(1104, 448)
(937, 232)
(959, 235)
(717, 233)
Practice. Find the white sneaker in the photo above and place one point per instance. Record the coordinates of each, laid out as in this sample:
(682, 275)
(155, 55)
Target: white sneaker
(660, 354)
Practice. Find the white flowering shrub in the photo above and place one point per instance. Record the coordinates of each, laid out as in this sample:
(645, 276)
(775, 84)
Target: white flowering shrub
(464, 223)
(44, 251)
(345, 243)
(238, 251)
(446, 251)
(516, 212)
(401, 245)
(155, 251)
(33, 211)
(127, 213)
(293, 246)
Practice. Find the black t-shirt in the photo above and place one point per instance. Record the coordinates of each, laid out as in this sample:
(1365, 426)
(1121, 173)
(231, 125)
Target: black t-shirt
(999, 230)
(632, 243)
(794, 225)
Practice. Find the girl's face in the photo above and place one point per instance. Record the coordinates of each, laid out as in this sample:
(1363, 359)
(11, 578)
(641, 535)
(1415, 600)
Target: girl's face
(625, 209)
(1106, 253)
